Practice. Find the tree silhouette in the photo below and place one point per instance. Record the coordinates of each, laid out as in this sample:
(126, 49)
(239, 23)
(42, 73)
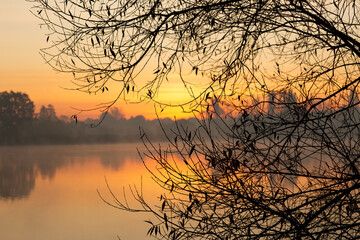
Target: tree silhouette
(16, 109)
(47, 113)
(276, 153)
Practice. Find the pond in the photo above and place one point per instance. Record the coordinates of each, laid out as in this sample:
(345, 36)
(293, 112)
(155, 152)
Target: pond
(50, 192)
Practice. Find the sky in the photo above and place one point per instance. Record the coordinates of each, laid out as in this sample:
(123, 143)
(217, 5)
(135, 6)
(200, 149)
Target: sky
(22, 69)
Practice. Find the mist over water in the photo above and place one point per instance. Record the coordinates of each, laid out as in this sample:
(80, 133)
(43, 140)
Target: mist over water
(50, 192)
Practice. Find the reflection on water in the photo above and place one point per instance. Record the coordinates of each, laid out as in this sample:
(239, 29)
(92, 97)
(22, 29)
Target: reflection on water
(19, 166)
(49, 192)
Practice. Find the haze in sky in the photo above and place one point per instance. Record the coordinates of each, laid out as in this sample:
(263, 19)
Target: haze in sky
(23, 69)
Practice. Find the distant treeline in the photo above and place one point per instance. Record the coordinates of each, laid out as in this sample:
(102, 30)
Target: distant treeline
(111, 130)
(19, 124)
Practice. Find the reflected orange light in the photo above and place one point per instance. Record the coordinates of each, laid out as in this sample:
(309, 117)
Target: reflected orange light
(68, 207)
(91, 178)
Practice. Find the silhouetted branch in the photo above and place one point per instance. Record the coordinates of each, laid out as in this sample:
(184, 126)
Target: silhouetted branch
(276, 151)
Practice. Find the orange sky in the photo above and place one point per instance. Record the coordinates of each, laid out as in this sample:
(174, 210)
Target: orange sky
(23, 69)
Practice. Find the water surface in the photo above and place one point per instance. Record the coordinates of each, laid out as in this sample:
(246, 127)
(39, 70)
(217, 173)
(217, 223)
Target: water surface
(50, 192)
